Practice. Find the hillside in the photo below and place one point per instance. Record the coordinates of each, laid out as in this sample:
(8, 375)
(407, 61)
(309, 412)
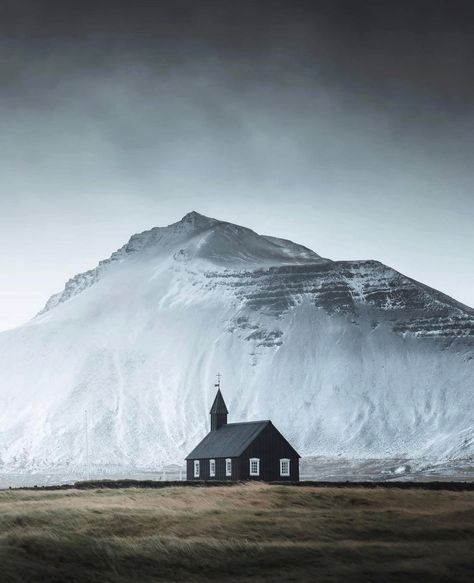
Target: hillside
(348, 358)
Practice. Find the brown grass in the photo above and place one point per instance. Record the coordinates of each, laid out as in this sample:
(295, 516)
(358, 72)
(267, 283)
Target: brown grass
(249, 532)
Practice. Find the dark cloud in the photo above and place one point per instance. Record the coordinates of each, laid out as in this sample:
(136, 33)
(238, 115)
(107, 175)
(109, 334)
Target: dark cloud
(416, 49)
(155, 77)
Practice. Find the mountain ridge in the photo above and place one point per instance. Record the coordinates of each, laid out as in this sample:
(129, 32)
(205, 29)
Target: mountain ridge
(191, 225)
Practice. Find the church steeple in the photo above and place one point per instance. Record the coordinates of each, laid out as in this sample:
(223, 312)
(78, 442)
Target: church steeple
(218, 410)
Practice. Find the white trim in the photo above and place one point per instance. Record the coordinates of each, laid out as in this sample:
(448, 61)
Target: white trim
(196, 468)
(212, 468)
(284, 471)
(255, 462)
(228, 467)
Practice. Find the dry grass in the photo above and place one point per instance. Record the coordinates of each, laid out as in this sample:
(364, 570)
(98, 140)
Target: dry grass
(253, 532)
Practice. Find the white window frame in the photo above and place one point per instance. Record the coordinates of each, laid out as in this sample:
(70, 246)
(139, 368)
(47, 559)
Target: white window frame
(228, 467)
(257, 461)
(196, 468)
(212, 468)
(282, 462)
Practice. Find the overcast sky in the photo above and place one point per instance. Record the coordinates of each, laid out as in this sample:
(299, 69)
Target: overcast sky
(347, 126)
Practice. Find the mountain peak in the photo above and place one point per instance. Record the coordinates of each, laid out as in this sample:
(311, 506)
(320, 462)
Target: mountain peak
(194, 216)
(197, 240)
(196, 219)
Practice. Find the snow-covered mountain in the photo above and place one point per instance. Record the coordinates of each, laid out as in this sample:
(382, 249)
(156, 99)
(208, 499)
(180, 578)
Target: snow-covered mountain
(348, 358)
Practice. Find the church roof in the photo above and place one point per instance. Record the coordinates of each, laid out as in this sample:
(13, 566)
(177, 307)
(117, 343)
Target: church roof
(219, 406)
(230, 440)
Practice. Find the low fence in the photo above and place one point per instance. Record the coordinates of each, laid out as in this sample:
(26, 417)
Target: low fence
(156, 484)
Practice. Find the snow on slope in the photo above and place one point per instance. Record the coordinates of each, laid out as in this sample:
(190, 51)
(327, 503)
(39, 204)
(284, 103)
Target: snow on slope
(196, 238)
(348, 358)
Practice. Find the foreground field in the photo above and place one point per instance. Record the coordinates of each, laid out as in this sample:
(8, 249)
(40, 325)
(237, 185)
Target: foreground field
(242, 533)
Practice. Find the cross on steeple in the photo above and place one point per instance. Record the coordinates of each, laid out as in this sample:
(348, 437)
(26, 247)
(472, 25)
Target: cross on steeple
(218, 384)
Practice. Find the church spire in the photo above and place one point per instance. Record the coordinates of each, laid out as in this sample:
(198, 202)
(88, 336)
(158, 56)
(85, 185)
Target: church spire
(218, 410)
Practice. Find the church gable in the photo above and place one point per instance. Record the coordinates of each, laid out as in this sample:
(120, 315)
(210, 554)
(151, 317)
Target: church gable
(272, 438)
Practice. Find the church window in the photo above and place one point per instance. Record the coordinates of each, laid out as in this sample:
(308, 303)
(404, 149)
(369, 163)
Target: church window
(284, 467)
(254, 466)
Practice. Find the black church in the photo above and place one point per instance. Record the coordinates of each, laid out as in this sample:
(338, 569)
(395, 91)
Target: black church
(254, 450)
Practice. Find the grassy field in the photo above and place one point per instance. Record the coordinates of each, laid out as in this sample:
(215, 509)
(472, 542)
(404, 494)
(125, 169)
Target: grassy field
(251, 532)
